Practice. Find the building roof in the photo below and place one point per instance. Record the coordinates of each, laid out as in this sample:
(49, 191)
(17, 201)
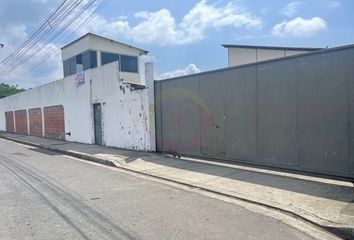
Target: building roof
(98, 36)
(270, 47)
(310, 53)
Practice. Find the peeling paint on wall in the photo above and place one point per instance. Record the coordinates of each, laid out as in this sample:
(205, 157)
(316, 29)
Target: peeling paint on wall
(125, 117)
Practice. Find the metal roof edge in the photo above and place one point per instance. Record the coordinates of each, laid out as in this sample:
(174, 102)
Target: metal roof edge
(270, 47)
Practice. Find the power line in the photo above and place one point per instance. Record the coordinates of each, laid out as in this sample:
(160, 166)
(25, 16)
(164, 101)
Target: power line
(50, 53)
(37, 43)
(66, 15)
(39, 35)
(34, 34)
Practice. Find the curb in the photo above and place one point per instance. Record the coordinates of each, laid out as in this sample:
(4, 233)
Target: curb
(342, 232)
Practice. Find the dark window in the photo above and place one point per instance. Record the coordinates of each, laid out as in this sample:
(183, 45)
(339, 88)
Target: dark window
(83, 61)
(79, 66)
(89, 59)
(128, 64)
(86, 60)
(93, 58)
(72, 66)
(66, 68)
(79, 59)
(108, 57)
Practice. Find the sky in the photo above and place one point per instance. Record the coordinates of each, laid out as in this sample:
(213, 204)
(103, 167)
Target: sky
(182, 36)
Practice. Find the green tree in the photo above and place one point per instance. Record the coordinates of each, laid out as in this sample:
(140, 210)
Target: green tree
(7, 90)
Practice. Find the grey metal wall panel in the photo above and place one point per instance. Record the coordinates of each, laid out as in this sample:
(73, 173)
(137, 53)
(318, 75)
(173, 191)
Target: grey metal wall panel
(212, 92)
(189, 116)
(240, 114)
(169, 115)
(277, 113)
(322, 112)
(350, 84)
(293, 113)
(180, 116)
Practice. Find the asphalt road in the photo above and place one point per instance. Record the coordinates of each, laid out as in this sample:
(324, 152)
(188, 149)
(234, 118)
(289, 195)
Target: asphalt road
(44, 195)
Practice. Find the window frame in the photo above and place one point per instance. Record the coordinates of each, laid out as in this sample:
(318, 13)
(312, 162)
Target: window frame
(112, 53)
(66, 68)
(72, 65)
(120, 63)
(69, 70)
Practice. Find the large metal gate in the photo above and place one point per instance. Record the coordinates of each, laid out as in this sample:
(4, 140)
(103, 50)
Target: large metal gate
(293, 113)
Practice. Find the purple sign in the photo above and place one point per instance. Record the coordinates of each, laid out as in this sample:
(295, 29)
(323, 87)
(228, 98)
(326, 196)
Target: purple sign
(79, 79)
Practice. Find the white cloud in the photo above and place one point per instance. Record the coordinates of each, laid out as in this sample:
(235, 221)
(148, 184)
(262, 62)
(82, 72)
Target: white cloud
(13, 31)
(291, 9)
(45, 67)
(161, 28)
(190, 69)
(299, 27)
(11, 35)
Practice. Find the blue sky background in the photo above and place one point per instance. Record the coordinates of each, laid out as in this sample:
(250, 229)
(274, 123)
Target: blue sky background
(184, 36)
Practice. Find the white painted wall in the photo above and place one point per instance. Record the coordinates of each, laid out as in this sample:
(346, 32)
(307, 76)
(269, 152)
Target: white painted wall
(267, 54)
(240, 56)
(76, 48)
(291, 53)
(125, 113)
(149, 79)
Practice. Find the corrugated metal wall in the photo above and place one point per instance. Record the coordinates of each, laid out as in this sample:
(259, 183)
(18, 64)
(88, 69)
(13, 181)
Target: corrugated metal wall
(293, 113)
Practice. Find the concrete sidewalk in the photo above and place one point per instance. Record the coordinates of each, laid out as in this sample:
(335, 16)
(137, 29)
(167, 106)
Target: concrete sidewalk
(326, 203)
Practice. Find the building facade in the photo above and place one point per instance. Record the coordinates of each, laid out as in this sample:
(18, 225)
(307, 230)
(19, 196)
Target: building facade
(91, 51)
(101, 100)
(245, 54)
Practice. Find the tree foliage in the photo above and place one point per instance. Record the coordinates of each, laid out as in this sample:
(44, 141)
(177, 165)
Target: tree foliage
(7, 90)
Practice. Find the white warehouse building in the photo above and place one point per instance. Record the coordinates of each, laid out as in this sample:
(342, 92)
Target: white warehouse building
(102, 98)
